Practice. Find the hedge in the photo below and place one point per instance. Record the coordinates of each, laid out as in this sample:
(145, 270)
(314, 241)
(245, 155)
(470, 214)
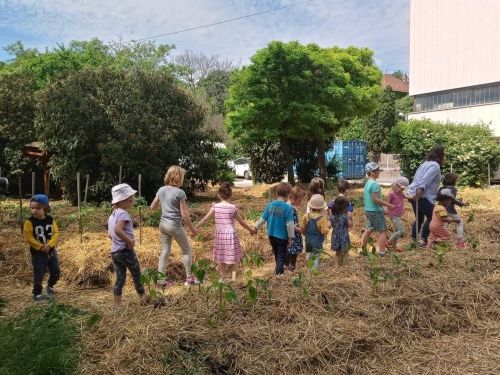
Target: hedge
(468, 148)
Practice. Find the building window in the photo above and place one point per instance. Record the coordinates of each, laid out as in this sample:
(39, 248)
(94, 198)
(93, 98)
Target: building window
(458, 98)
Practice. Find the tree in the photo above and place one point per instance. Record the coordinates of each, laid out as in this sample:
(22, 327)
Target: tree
(378, 126)
(404, 105)
(17, 112)
(296, 92)
(401, 75)
(97, 120)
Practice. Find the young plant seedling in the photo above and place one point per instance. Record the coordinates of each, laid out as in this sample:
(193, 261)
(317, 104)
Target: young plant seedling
(149, 278)
(441, 249)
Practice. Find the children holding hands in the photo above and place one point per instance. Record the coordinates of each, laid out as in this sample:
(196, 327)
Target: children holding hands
(438, 227)
(226, 249)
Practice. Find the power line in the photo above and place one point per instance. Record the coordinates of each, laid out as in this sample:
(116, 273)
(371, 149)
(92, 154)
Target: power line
(225, 21)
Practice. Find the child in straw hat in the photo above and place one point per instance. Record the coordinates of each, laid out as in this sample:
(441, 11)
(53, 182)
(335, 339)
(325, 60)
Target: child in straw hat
(314, 225)
(121, 233)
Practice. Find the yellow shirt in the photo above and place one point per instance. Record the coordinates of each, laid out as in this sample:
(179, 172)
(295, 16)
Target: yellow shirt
(322, 224)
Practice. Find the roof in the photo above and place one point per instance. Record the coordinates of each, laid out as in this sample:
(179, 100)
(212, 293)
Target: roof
(395, 83)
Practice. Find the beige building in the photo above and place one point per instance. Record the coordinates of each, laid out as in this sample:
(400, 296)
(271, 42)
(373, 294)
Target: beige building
(455, 61)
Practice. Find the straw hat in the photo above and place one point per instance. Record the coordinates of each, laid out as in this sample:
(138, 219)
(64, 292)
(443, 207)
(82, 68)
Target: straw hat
(317, 202)
(121, 192)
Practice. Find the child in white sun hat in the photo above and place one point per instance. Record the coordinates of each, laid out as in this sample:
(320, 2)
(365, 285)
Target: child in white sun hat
(396, 198)
(121, 233)
(315, 226)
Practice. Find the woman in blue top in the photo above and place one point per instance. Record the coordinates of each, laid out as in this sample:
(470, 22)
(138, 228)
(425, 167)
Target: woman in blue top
(424, 189)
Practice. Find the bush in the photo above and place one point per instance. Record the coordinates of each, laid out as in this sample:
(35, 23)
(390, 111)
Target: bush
(305, 159)
(40, 341)
(267, 162)
(333, 168)
(468, 148)
(97, 120)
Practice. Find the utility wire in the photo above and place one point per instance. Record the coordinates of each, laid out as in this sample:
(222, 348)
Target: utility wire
(225, 21)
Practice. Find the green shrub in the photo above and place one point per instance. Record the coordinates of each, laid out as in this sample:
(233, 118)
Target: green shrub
(468, 148)
(40, 341)
(267, 162)
(305, 155)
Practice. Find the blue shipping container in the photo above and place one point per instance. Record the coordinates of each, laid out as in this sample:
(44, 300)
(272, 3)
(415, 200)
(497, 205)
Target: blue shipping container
(352, 156)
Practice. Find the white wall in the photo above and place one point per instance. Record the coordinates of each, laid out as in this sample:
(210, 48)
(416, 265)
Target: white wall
(453, 44)
(489, 114)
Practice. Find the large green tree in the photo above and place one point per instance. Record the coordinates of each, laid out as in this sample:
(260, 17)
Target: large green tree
(97, 120)
(294, 92)
(379, 125)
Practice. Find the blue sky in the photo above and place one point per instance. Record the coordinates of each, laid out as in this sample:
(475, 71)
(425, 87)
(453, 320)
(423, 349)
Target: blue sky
(382, 25)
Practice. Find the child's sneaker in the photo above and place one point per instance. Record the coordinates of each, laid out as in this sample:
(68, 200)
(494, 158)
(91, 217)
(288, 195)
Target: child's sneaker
(50, 292)
(162, 284)
(37, 298)
(422, 244)
(461, 245)
(191, 281)
(382, 253)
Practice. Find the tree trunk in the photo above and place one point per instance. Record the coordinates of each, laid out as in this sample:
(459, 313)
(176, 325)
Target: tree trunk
(289, 161)
(321, 158)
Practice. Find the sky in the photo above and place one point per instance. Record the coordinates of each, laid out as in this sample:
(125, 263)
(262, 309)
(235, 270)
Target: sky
(382, 25)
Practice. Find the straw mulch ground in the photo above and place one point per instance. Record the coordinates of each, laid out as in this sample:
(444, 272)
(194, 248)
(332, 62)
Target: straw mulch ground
(425, 318)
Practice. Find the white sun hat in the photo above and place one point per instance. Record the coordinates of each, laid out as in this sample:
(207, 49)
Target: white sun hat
(402, 181)
(121, 192)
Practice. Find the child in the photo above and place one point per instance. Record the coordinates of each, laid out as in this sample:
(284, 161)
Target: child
(316, 186)
(341, 223)
(315, 226)
(439, 232)
(121, 232)
(41, 234)
(396, 198)
(342, 188)
(375, 220)
(280, 228)
(450, 182)
(296, 197)
(174, 211)
(227, 249)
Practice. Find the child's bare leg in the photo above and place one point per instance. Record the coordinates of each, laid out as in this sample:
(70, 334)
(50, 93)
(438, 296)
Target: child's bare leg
(118, 300)
(222, 271)
(366, 235)
(382, 238)
(338, 258)
(232, 268)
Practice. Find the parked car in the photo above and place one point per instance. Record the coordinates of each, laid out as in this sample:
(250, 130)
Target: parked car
(242, 168)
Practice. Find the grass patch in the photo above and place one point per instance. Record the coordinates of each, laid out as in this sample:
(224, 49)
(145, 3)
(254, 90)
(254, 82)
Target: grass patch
(184, 362)
(41, 340)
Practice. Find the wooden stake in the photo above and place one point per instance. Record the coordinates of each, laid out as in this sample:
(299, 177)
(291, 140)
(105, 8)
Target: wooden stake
(489, 175)
(48, 185)
(120, 175)
(417, 232)
(20, 205)
(79, 208)
(86, 189)
(140, 208)
(33, 183)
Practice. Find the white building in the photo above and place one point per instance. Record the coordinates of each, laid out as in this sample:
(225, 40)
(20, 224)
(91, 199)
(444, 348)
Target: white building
(455, 61)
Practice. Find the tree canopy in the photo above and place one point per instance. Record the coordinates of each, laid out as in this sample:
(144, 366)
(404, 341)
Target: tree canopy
(379, 125)
(292, 92)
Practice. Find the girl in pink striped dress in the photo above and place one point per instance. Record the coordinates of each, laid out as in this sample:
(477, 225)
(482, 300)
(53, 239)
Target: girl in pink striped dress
(227, 249)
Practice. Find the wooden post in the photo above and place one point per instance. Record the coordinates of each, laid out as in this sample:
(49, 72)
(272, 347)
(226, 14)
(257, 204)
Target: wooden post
(417, 232)
(140, 208)
(20, 205)
(47, 188)
(269, 196)
(451, 167)
(33, 183)
(79, 208)
(489, 175)
(120, 175)
(86, 189)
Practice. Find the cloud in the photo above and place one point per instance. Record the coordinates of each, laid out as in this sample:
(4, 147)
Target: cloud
(382, 25)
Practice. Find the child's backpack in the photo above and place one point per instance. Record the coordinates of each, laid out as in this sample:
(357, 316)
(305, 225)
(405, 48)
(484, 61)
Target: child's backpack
(314, 238)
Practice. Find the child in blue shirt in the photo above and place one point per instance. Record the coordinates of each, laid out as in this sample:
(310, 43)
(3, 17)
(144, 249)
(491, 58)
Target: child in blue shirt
(280, 227)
